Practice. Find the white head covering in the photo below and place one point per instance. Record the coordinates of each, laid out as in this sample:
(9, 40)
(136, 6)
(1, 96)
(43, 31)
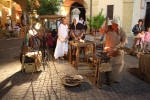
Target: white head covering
(117, 21)
(109, 22)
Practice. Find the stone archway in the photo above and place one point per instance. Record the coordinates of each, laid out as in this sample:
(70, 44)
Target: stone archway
(81, 9)
(66, 8)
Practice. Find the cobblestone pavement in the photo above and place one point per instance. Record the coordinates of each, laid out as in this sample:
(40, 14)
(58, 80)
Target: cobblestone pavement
(46, 85)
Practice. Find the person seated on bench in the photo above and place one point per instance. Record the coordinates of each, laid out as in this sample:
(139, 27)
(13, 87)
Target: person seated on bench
(147, 41)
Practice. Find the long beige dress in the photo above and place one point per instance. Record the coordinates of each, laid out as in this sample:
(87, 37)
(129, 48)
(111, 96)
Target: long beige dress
(62, 43)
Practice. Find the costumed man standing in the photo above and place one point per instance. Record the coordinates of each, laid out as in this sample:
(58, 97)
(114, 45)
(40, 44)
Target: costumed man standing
(76, 30)
(76, 33)
(115, 38)
(62, 41)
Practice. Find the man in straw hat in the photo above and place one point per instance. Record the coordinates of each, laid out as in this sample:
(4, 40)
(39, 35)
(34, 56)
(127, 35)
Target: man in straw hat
(115, 38)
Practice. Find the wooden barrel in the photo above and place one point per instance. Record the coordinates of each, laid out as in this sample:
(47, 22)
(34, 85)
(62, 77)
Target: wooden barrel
(144, 65)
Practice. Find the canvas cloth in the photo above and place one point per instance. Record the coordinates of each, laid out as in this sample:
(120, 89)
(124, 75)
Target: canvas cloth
(117, 64)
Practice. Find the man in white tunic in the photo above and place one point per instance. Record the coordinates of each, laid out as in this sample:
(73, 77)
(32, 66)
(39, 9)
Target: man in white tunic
(62, 40)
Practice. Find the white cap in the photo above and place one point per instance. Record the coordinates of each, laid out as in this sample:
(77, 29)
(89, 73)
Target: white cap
(117, 21)
(109, 22)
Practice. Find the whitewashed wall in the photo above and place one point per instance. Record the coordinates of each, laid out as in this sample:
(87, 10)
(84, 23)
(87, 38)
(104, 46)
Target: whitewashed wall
(139, 10)
(136, 12)
(118, 7)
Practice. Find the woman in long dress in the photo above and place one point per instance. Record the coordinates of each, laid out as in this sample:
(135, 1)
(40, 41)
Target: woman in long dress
(62, 41)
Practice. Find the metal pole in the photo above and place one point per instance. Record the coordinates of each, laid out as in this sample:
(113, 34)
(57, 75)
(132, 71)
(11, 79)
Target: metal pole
(90, 15)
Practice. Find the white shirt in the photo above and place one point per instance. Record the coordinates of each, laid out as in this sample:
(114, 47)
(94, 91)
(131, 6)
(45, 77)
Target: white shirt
(62, 32)
(81, 21)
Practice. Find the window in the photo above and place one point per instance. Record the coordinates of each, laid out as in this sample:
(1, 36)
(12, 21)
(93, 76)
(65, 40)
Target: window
(110, 11)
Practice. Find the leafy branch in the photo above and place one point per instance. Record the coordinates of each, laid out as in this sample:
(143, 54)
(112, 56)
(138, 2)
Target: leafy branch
(97, 21)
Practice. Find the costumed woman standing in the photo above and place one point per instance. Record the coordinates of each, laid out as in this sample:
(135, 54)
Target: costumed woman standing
(62, 41)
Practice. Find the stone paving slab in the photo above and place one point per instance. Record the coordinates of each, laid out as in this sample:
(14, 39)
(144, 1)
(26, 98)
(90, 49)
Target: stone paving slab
(46, 85)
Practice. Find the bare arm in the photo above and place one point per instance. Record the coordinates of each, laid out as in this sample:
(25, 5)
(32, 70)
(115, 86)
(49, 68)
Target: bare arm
(73, 35)
(123, 37)
(81, 35)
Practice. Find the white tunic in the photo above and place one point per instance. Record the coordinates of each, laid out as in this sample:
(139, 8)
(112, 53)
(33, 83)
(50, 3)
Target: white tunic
(62, 43)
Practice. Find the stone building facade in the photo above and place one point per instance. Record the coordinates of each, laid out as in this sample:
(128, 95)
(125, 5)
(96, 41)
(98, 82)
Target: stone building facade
(127, 11)
(10, 12)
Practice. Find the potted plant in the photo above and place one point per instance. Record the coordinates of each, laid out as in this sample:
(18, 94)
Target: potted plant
(96, 22)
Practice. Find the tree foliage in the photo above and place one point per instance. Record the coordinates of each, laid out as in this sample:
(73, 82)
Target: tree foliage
(48, 7)
(97, 21)
(31, 6)
(23, 4)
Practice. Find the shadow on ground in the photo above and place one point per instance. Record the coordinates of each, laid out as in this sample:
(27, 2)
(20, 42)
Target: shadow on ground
(129, 86)
(137, 73)
(85, 86)
(16, 79)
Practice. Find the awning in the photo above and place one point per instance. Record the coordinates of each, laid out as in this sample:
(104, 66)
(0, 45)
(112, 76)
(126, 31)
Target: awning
(54, 17)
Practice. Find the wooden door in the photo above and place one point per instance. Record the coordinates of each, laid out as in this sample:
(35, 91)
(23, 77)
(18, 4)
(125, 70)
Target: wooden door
(110, 11)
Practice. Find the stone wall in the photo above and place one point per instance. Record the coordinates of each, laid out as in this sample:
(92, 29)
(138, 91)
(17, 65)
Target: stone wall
(123, 10)
(127, 16)
(139, 10)
(128, 11)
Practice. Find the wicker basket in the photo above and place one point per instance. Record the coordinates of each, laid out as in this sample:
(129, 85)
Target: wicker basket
(29, 67)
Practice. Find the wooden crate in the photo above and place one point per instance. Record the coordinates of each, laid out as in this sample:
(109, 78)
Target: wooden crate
(32, 67)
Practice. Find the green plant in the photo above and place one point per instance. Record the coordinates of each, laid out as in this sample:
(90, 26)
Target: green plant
(48, 7)
(97, 21)
(31, 6)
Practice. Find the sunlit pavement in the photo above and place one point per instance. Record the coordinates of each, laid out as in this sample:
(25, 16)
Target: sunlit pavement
(46, 85)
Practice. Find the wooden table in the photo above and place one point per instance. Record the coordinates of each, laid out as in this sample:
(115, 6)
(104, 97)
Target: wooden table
(78, 45)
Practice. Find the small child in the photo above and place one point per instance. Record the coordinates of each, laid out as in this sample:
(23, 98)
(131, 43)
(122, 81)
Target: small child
(147, 41)
(140, 41)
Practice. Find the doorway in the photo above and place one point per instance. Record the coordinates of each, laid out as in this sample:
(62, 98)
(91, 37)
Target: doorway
(147, 18)
(110, 11)
(81, 8)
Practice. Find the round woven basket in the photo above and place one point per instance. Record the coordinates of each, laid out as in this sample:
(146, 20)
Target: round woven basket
(71, 81)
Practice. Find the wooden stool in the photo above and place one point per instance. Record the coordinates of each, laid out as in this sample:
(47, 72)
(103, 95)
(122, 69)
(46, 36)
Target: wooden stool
(101, 68)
